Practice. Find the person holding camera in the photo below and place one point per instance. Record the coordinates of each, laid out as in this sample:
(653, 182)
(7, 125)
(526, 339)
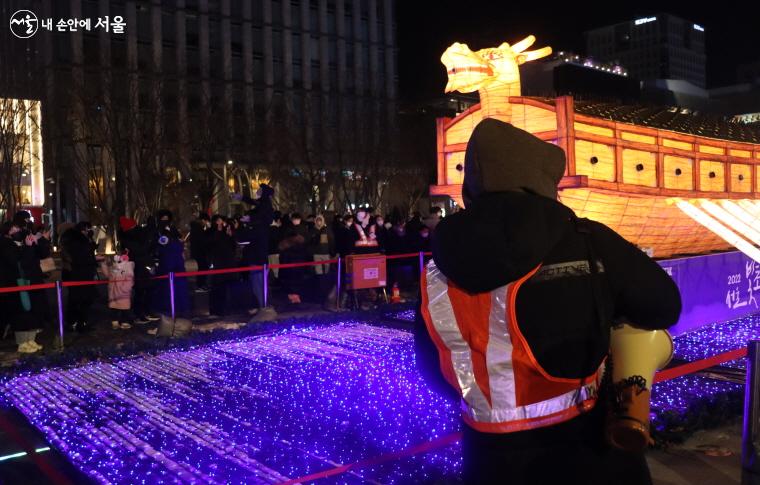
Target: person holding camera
(20, 253)
(256, 233)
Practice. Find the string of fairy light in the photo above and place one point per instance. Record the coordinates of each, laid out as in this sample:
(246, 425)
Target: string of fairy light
(257, 410)
(268, 408)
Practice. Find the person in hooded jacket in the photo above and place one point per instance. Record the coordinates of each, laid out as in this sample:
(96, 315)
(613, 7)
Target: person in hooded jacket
(321, 244)
(342, 232)
(198, 237)
(293, 249)
(256, 232)
(141, 241)
(222, 256)
(516, 310)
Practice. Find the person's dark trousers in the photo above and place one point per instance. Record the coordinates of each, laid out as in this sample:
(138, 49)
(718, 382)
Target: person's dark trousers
(218, 296)
(257, 285)
(78, 306)
(142, 298)
(121, 316)
(143, 290)
(569, 452)
(201, 281)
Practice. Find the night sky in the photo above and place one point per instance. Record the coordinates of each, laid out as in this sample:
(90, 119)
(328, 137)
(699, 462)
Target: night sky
(426, 28)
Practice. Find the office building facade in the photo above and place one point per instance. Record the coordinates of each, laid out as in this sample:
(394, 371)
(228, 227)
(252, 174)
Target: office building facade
(660, 46)
(305, 84)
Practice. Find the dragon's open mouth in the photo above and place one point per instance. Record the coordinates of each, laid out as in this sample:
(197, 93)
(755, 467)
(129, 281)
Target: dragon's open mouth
(470, 71)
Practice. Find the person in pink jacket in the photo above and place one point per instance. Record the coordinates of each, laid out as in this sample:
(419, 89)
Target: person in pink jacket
(121, 278)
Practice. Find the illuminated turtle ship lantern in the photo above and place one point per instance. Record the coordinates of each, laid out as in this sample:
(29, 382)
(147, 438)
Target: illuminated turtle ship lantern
(672, 182)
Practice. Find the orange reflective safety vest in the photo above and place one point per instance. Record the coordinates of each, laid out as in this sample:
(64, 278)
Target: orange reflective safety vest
(363, 239)
(485, 357)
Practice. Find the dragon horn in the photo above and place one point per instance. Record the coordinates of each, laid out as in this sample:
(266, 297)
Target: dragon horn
(523, 44)
(533, 55)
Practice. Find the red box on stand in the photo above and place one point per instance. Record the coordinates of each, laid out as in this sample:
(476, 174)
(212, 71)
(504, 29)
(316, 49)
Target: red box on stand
(365, 271)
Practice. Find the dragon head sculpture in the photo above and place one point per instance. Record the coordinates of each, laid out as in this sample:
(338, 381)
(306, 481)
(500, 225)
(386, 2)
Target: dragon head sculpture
(494, 71)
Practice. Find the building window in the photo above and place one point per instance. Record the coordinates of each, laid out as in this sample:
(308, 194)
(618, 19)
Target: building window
(258, 70)
(277, 72)
(258, 41)
(277, 43)
(296, 43)
(277, 12)
(297, 75)
(236, 38)
(295, 15)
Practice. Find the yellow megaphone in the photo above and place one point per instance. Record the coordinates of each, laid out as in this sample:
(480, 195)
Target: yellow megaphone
(636, 355)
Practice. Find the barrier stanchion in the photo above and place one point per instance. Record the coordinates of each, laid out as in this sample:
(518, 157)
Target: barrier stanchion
(59, 298)
(337, 286)
(751, 429)
(171, 296)
(265, 303)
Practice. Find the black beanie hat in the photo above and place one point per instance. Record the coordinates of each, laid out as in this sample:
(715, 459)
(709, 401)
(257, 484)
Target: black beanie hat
(21, 217)
(501, 158)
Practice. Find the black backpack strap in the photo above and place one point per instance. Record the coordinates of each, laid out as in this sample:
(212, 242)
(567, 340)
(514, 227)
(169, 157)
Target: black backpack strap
(583, 228)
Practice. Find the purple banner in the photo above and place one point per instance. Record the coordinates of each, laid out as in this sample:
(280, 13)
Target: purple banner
(714, 288)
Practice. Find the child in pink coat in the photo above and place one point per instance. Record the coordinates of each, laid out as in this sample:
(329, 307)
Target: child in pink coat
(121, 277)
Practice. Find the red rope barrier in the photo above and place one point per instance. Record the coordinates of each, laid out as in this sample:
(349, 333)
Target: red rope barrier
(421, 448)
(16, 289)
(69, 284)
(305, 264)
(696, 366)
(403, 256)
(216, 271)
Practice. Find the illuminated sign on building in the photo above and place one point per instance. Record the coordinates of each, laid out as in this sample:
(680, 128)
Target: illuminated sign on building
(699, 28)
(644, 20)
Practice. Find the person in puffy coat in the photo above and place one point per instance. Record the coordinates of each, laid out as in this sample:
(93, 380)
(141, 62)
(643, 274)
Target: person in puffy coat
(79, 264)
(121, 279)
(171, 260)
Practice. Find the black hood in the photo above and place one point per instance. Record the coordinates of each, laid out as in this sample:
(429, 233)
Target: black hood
(499, 238)
(266, 191)
(501, 157)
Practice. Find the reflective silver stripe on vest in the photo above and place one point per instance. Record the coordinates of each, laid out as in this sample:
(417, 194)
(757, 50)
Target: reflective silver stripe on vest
(498, 360)
(442, 316)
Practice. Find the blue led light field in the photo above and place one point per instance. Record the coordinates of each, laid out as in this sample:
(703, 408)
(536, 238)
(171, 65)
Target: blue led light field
(268, 409)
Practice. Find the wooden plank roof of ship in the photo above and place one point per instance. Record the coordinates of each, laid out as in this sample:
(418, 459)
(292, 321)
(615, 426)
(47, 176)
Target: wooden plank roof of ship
(671, 118)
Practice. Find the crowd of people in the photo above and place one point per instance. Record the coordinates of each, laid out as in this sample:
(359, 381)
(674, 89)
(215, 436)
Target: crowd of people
(157, 247)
